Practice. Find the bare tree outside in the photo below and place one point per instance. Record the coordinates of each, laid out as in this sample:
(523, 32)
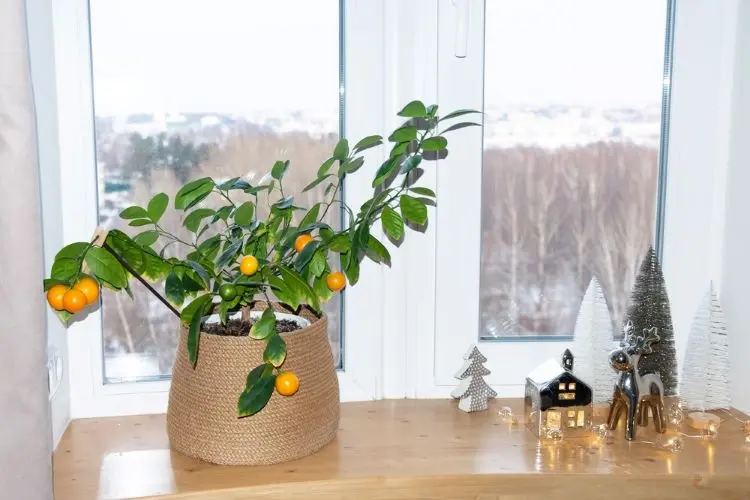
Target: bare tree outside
(571, 148)
(222, 90)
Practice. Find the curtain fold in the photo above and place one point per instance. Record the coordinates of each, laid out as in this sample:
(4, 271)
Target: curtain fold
(25, 434)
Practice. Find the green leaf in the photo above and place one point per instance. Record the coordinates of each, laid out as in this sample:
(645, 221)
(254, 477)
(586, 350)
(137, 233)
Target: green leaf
(412, 209)
(65, 269)
(140, 222)
(229, 254)
(284, 203)
(352, 271)
(376, 249)
(254, 398)
(134, 212)
(326, 166)
(173, 289)
(285, 294)
(193, 220)
(341, 151)
(244, 214)
(224, 186)
(275, 352)
(393, 224)
(157, 206)
(321, 289)
(311, 216)
(279, 169)
(457, 113)
(146, 238)
(223, 213)
(460, 126)
(318, 263)
(104, 266)
(258, 189)
(72, 251)
(265, 326)
(400, 149)
(144, 260)
(414, 109)
(340, 243)
(256, 374)
(192, 316)
(316, 182)
(193, 193)
(300, 286)
(368, 142)
(50, 282)
(351, 166)
(201, 271)
(436, 143)
(306, 255)
(361, 237)
(411, 163)
(432, 110)
(423, 191)
(384, 171)
(403, 134)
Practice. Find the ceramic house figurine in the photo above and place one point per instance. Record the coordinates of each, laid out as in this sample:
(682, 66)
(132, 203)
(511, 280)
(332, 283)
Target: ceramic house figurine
(557, 402)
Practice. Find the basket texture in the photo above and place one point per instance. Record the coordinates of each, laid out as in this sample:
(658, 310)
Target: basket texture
(202, 417)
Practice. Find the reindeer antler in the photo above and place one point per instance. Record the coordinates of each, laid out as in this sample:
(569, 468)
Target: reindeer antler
(643, 343)
(628, 338)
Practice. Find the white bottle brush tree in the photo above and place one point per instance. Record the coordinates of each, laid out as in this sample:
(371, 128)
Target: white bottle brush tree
(473, 392)
(705, 374)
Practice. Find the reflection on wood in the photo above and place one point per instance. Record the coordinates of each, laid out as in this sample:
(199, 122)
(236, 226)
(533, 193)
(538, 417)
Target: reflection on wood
(402, 449)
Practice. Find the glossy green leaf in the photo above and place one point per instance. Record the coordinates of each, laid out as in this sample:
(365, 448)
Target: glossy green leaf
(173, 289)
(341, 151)
(144, 260)
(304, 257)
(279, 169)
(284, 203)
(257, 373)
(351, 166)
(134, 212)
(244, 214)
(411, 163)
(399, 149)
(72, 251)
(146, 238)
(393, 224)
(368, 142)
(432, 110)
(321, 289)
(223, 213)
(65, 269)
(283, 292)
(413, 209)
(139, 222)
(340, 243)
(104, 266)
(458, 113)
(316, 182)
(192, 316)
(377, 251)
(423, 191)
(403, 134)
(461, 125)
(193, 220)
(50, 282)
(157, 206)
(254, 398)
(415, 109)
(352, 271)
(318, 263)
(275, 351)
(311, 216)
(326, 166)
(436, 143)
(193, 193)
(229, 254)
(265, 326)
(385, 171)
(301, 287)
(201, 271)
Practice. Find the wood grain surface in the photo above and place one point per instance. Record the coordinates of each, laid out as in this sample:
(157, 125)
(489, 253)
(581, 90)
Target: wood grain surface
(407, 449)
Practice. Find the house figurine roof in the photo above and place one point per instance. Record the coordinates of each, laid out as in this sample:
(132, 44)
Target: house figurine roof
(546, 372)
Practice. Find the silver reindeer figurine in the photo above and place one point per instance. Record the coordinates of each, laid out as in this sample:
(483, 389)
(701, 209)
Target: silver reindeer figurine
(636, 393)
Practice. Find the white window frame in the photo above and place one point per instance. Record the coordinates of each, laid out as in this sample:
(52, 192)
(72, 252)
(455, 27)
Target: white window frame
(364, 53)
(701, 100)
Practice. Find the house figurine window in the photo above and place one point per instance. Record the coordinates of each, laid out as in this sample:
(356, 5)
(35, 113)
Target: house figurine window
(557, 399)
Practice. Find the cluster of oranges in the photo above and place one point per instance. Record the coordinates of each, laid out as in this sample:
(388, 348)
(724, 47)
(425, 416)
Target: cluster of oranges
(73, 300)
(336, 280)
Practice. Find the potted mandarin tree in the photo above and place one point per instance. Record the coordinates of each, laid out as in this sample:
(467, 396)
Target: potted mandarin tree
(250, 290)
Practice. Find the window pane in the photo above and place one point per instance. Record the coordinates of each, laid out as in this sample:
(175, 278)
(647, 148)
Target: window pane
(571, 142)
(186, 89)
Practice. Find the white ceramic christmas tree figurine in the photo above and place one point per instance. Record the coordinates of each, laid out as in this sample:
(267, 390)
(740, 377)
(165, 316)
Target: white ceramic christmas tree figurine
(473, 392)
(592, 343)
(705, 372)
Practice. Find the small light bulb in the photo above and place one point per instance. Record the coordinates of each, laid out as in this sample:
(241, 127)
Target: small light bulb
(676, 414)
(711, 432)
(602, 431)
(505, 412)
(554, 435)
(747, 438)
(674, 444)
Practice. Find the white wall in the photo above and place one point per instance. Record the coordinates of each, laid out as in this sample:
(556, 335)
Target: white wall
(41, 48)
(735, 283)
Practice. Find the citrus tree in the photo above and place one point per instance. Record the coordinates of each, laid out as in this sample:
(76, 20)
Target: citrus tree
(236, 257)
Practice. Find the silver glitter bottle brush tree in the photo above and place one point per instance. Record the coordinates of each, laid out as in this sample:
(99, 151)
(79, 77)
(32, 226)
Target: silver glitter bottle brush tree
(649, 308)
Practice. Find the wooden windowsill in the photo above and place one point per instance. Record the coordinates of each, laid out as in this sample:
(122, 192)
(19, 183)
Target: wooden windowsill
(404, 449)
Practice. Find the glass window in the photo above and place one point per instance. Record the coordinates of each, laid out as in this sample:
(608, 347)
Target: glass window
(572, 386)
(219, 88)
(571, 157)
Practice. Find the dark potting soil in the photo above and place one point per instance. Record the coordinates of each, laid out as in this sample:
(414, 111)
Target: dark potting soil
(239, 328)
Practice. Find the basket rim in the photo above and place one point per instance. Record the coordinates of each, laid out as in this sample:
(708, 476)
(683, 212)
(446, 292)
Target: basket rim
(322, 317)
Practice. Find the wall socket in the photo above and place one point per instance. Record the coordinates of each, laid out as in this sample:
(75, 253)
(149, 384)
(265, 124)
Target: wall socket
(54, 370)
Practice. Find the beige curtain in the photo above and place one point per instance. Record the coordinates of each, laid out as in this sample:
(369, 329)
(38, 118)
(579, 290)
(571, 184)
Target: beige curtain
(25, 435)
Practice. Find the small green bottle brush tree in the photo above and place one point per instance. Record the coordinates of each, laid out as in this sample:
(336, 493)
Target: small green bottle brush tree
(236, 257)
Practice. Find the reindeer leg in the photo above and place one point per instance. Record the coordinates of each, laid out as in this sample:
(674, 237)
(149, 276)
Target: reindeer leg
(631, 417)
(615, 409)
(660, 419)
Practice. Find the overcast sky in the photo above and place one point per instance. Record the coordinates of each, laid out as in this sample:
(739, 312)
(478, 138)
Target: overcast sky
(240, 55)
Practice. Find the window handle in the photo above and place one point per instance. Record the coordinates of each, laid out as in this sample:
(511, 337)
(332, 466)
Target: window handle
(462, 27)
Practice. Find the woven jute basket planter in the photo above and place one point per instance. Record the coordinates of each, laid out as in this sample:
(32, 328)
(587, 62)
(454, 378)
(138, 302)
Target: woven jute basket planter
(202, 417)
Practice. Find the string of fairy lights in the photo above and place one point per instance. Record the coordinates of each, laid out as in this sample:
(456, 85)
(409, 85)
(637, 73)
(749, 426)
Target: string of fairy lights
(672, 444)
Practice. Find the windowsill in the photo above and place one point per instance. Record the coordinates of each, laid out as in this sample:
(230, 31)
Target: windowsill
(424, 448)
